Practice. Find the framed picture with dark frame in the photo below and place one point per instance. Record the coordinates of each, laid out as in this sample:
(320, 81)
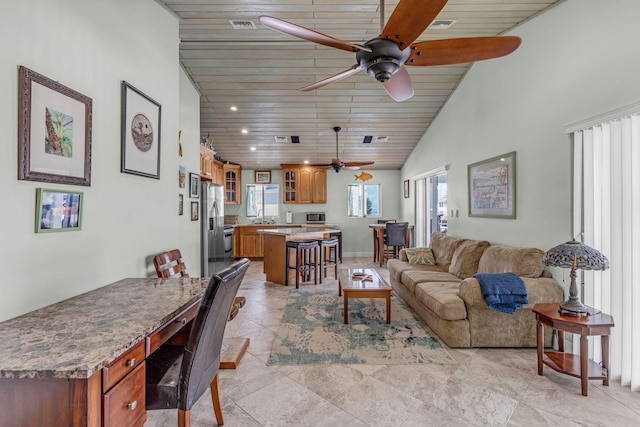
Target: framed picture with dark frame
(180, 204)
(263, 177)
(140, 133)
(58, 210)
(194, 185)
(194, 211)
(492, 187)
(54, 131)
(406, 188)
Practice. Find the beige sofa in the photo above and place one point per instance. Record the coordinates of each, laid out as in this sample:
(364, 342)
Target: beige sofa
(450, 301)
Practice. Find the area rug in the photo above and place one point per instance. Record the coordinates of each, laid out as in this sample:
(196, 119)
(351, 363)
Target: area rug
(312, 332)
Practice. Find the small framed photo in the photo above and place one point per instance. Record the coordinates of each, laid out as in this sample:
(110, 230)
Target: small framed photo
(406, 188)
(263, 177)
(58, 210)
(180, 204)
(54, 131)
(140, 133)
(194, 211)
(182, 176)
(492, 187)
(194, 185)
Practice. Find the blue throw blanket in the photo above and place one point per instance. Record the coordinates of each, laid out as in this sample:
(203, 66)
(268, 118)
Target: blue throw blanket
(503, 292)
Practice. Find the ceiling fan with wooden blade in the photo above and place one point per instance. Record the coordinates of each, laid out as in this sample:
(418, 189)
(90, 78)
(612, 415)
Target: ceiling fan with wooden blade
(385, 57)
(338, 165)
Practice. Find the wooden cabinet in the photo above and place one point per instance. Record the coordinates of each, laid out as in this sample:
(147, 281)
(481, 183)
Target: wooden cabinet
(210, 169)
(247, 243)
(304, 184)
(232, 184)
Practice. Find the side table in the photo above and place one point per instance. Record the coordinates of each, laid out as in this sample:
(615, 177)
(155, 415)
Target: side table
(579, 366)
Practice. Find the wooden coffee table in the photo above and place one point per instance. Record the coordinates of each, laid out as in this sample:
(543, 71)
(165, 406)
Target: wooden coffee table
(355, 287)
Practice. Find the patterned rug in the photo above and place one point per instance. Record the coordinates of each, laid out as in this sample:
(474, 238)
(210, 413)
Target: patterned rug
(312, 332)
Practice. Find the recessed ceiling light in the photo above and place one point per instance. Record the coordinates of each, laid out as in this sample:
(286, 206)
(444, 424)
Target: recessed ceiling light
(306, 162)
(245, 131)
(233, 108)
(253, 148)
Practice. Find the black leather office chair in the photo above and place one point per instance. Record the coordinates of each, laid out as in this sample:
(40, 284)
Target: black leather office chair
(395, 239)
(178, 375)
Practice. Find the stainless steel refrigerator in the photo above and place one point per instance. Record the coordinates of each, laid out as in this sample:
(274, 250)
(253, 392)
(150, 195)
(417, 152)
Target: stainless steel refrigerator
(213, 256)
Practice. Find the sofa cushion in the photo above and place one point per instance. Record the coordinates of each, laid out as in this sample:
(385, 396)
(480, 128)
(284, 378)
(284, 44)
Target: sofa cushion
(443, 247)
(466, 257)
(525, 262)
(428, 273)
(420, 256)
(396, 267)
(442, 298)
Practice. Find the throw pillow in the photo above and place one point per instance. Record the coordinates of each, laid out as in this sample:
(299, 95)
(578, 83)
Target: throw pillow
(420, 256)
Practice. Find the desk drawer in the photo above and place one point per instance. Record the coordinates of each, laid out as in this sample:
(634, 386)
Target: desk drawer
(124, 404)
(169, 329)
(120, 367)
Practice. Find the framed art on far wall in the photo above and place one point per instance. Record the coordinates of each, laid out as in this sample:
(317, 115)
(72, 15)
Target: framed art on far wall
(194, 211)
(263, 177)
(54, 131)
(492, 187)
(140, 133)
(58, 210)
(180, 204)
(194, 185)
(406, 188)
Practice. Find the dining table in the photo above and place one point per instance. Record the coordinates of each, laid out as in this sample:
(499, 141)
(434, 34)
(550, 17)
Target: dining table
(378, 241)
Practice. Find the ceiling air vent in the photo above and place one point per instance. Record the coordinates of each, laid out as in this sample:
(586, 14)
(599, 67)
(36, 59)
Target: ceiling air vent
(382, 138)
(281, 139)
(243, 25)
(442, 24)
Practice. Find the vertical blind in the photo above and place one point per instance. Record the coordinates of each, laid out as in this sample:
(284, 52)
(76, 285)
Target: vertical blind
(606, 205)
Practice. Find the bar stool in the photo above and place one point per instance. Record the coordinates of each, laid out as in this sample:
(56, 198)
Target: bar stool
(338, 235)
(306, 253)
(328, 256)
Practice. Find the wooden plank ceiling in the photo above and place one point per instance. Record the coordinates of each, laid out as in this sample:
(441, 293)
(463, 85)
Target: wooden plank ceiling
(258, 71)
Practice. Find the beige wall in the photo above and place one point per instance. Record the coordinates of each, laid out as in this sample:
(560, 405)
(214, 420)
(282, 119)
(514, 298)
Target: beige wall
(91, 46)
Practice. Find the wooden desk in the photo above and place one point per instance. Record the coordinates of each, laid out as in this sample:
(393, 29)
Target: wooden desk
(378, 241)
(578, 366)
(81, 362)
(275, 241)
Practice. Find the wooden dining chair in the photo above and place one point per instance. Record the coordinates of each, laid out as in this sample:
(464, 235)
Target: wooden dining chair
(178, 375)
(376, 237)
(395, 239)
(170, 264)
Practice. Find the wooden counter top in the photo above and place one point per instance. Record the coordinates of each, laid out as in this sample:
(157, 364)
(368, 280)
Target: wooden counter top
(79, 336)
(299, 231)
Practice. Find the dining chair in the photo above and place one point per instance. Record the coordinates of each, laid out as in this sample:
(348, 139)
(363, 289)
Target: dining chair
(176, 375)
(376, 237)
(394, 239)
(170, 264)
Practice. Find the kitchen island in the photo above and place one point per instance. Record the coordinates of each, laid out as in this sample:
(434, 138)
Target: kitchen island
(275, 251)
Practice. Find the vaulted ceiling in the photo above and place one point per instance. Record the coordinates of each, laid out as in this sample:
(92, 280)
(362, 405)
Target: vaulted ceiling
(259, 71)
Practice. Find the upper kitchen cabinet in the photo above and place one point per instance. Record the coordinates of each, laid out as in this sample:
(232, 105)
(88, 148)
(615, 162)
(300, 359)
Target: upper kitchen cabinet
(232, 184)
(210, 168)
(304, 184)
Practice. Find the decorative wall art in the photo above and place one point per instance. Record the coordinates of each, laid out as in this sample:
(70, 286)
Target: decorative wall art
(140, 133)
(54, 131)
(182, 176)
(194, 211)
(263, 177)
(492, 187)
(58, 210)
(406, 188)
(180, 204)
(194, 185)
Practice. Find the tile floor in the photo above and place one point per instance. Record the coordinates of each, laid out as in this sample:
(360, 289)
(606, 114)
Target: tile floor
(492, 387)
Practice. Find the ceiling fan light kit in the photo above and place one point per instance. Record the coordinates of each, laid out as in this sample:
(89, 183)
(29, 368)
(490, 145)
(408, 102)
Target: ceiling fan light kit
(385, 57)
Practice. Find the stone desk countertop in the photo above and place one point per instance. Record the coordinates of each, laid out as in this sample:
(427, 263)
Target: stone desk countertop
(77, 337)
(294, 231)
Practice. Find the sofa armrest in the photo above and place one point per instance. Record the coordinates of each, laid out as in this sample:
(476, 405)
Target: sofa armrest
(540, 290)
(402, 256)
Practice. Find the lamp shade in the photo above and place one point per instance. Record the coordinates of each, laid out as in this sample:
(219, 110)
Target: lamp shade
(575, 255)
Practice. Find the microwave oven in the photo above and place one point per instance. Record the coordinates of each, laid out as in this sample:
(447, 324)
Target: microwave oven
(315, 217)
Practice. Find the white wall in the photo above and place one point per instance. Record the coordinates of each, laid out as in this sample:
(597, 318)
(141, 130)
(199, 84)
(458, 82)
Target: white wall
(576, 61)
(356, 235)
(91, 46)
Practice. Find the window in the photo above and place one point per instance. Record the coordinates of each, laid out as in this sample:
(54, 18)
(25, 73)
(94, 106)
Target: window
(363, 200)
(263, 200)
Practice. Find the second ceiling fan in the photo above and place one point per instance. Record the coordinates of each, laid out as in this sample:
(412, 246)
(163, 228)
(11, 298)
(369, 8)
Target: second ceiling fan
(385, 57)
(338, 165)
